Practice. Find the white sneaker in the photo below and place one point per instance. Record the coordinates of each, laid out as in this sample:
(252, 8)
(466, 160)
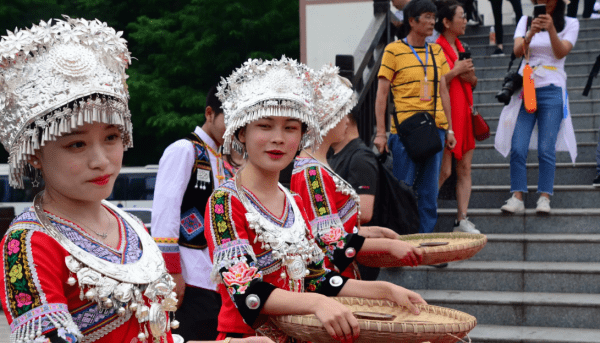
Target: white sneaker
(513, 205)
(465, 226)
(543, 205)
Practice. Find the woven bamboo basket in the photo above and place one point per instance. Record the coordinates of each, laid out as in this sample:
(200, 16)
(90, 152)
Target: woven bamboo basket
(434, 324)
(445, 247)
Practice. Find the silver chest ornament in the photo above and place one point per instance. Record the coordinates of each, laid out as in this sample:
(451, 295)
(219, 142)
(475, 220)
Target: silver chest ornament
(122, 287)
(290, 245)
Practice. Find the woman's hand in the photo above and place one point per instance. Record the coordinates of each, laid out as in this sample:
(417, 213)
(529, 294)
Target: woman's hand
(337, 319)
(450, 140)
(381, 142)
(464, 66)
(377, 232)
(408, 254)
(546, 22)
(404, 297)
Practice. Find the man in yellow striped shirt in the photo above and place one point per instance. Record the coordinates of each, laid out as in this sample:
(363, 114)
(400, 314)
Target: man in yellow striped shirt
(407, 68)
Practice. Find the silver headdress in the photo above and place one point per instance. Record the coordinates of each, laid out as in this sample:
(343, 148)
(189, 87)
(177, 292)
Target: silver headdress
(261, 89)
(47, 67)
(334, 97)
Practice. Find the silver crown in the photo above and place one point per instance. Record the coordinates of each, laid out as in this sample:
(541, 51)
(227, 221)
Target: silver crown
(44, 68)
(334, 98)
(261, 89)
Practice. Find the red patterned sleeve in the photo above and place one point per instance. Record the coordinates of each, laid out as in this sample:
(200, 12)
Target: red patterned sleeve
(34, 287)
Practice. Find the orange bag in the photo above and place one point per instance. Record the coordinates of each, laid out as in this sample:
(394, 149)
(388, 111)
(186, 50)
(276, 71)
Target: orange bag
(529, 98)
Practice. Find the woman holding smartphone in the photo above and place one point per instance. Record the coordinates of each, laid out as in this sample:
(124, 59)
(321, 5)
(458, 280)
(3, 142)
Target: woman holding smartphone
(451, 22)
(545, 45)
(265, 256)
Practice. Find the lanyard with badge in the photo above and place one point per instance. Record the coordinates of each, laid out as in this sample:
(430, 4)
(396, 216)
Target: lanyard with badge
(425, 94)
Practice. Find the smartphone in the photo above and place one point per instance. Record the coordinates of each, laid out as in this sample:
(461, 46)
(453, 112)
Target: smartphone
(464, 55)
(538, 10)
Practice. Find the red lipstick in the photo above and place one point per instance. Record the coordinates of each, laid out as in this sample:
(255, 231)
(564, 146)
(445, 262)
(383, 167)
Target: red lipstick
(275, 154)
(102, 180)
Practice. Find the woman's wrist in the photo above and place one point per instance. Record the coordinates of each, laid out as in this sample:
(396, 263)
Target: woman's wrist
(449, 132)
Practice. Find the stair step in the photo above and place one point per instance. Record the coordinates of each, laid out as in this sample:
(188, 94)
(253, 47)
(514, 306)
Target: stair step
(498, 69)
(566, 173)
(541, 248)
(568, 310)
(565, 196)
(532, 334)
(484, 39)
(583, 44)
(510, 29)
(575, 93)
(501, 276)
(494, 221)
(495, 83)
(486, 153)
(493, 109)
(588, 55)
(580, 121)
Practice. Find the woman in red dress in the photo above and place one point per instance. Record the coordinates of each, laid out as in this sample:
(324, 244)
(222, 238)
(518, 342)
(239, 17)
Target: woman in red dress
(451, 23)
(265, 258)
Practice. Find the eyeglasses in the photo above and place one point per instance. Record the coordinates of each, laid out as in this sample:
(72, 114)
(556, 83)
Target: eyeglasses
(426, 17)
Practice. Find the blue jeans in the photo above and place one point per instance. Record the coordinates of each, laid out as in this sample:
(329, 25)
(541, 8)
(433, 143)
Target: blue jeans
(424, 176)
(549, 115)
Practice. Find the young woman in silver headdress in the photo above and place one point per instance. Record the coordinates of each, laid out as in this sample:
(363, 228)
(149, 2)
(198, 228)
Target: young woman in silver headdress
(76, 268)
(264, 253)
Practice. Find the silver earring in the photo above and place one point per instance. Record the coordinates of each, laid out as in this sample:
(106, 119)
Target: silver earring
(36, 179)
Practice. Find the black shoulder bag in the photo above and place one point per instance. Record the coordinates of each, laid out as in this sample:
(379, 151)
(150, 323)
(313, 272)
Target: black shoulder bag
(419, 133)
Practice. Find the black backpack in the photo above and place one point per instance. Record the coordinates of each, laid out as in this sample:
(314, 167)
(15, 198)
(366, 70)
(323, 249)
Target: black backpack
(395, 204)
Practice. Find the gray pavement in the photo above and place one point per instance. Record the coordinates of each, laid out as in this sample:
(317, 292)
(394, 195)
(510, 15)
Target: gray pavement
(4, 328)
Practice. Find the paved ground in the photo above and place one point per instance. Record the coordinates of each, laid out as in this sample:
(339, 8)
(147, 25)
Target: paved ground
(4, 328)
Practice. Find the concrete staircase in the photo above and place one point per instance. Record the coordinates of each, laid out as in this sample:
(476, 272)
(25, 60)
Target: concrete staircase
(538, 278)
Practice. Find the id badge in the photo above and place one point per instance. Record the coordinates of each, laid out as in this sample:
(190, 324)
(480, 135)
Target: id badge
(425, 91)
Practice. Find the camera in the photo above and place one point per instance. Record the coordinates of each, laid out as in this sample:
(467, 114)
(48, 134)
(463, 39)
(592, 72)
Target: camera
(512, 83)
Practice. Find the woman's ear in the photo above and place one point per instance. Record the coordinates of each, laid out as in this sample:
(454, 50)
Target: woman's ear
(446, 23)
(35, 161)
(242, 135)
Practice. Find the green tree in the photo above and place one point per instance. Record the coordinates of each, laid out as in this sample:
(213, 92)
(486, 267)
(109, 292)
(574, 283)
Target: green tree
(181, 48)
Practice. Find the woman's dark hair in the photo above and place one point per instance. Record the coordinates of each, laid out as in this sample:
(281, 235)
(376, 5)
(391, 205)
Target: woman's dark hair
(413, 10)
(213, 101)
(445, 9)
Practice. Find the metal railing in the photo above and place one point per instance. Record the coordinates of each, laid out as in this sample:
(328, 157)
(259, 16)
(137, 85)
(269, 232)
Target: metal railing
(367, 59)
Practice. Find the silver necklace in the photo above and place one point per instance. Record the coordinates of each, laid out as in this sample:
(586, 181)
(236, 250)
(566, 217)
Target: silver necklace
(102, 236)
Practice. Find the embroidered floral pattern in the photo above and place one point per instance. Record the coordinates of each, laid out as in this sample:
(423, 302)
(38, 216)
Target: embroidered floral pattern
(316, 277)
(220, 217)
(317, 191)
(239, 276)
(20, 287)
(333, 236)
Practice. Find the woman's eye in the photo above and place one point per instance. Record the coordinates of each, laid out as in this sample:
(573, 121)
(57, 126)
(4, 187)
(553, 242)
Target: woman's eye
(266, 126)
(76, 145)
(113, 137)
(292, 128)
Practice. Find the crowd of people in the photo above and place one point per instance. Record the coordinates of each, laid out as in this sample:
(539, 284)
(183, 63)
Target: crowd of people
(230, 246)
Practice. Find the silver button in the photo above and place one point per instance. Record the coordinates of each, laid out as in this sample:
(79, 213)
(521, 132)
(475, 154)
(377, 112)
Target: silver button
(336, 281)
(355, 230)
(253, 301)
(350, 252)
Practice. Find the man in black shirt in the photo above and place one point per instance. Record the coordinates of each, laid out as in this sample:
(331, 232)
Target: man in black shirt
(357, 164)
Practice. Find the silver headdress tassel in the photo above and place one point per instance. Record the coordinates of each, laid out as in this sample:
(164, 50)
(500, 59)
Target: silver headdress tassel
(261, 89)
(50, 66)
(334, 98)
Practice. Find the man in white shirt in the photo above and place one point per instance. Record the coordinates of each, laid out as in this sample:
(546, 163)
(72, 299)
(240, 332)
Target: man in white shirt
(188, 171)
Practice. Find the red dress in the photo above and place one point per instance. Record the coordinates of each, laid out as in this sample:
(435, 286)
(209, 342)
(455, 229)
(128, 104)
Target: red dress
(461, 98)
(34, 285)
(330, 212)
(246, 270)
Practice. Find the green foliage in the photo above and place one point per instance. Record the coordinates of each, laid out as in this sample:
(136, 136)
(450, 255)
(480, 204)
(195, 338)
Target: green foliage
(181, 48)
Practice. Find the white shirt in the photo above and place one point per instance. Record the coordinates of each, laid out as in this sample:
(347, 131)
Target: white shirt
(174, 172)
(542, 55)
